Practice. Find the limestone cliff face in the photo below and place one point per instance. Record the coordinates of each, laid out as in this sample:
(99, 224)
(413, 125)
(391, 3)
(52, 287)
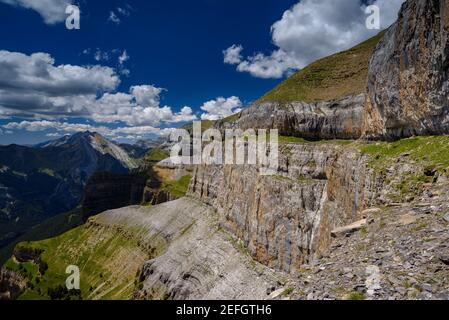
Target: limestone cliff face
(338, 119)
(286, 219)
(408, 89)
(190, 257)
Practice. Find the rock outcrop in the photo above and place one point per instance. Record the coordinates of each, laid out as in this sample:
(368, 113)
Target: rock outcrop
(286, 219)
(337, 119)
(11, 284)
(408, 88)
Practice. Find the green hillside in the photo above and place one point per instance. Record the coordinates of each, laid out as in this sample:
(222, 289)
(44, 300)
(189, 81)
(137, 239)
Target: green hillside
(48, 229)
(330, 78)
(108, 260)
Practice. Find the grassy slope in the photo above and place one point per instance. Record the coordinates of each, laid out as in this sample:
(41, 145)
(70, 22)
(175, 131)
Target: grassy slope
(430, 154)
(156, 155)
(108, 261)
(330, 78)
(48, 229)
(177, 188)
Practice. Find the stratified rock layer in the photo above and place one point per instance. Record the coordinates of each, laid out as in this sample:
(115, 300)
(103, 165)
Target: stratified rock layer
(285, 219)
(192, 257)
(339, 119)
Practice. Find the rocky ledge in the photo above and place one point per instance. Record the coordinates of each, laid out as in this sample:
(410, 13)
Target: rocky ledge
(337, 119)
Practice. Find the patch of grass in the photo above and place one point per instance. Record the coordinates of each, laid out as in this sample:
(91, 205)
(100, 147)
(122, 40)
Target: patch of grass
(297, 140)
(333, 77)
(232, 118)
(356, 296)
(156, 155)
(177, 188)
(287, 292)
(431, 151)
(186, 229)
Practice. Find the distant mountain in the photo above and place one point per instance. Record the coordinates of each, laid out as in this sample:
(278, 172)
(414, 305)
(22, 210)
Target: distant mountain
(39, 182)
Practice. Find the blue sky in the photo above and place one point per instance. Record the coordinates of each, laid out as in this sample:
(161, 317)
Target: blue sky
(180, 60)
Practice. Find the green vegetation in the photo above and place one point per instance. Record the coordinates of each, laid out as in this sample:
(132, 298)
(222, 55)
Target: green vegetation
(333, 77)
(48, 229)
(232, 118)
(296, 140)
(205, 125)
(177, 188)
(156, 155)
(287, 292)
(187, 229)
(108, 261)
(431, 153)
(356, 296)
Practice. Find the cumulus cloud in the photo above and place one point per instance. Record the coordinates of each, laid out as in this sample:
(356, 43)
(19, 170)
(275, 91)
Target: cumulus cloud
(232, 55)
(34, 87)
(310, 30)
(52, 11)
(63, 128)
(37, 72)
(221, 108)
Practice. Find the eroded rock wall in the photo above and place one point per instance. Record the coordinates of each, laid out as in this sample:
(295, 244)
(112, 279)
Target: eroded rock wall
(338, 119)
(286, 219)
(408, 88)
(191, 257)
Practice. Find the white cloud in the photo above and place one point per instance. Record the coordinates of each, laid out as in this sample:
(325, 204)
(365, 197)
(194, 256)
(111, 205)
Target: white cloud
(273, 66)
(221, 108)
(146, 95)
(37, 72)
(123, 57)
(114, 18)
(33, 87)
(52, 11)
(232, 55)
(124, 11)
(310, 30)
(101, 55)
(62, 128)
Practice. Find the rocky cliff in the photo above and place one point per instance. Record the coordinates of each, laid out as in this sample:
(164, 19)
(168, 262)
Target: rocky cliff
(11, 284)
(286, 219)
(408, 89)
(336, 119)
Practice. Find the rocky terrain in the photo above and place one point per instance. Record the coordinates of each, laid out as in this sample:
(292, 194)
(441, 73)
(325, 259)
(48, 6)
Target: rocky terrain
(11, 284)
(341, 219)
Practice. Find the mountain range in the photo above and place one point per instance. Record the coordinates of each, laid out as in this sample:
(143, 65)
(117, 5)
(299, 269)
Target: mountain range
(41, 181)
